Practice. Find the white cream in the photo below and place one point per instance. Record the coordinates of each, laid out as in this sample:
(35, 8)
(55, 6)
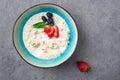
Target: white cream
(39, 44)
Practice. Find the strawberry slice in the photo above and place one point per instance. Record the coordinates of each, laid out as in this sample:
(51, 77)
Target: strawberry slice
(50, 34)
(83, 66)
(49, 30)
(56, 32)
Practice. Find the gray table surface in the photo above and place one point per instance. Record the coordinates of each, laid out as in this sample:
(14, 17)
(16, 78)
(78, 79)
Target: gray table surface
(98, 22)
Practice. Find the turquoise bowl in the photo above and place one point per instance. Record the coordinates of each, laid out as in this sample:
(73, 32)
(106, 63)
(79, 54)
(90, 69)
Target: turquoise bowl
(18, 35)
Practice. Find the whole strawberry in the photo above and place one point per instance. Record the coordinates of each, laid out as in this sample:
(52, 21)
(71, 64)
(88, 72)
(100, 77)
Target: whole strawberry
(83, 66)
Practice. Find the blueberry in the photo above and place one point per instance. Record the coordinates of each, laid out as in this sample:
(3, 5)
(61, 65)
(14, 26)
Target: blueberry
(50, 20)
(44, 18)
(49, 15)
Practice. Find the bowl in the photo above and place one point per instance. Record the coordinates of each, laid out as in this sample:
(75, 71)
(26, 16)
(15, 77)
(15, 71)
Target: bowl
(18, 35)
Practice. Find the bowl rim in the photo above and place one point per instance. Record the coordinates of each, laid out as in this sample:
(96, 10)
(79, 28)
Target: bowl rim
(13, 30)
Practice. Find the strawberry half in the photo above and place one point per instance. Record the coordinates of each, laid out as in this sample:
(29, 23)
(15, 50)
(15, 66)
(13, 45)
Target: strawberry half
(56, 32)
(83, 66)
(50, 34)
(49, 30)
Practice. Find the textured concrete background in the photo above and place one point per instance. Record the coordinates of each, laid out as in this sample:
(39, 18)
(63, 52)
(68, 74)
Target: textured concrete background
(98, 22)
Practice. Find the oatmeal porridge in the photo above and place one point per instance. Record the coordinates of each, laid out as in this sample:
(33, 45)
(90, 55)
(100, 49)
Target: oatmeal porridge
(46, 35)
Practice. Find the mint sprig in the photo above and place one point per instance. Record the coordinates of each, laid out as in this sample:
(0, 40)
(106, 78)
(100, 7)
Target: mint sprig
(39, 25)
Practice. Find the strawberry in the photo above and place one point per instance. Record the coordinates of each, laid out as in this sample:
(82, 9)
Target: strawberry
(49, 30)
(83, 66)
(56, 32)
(50, 34)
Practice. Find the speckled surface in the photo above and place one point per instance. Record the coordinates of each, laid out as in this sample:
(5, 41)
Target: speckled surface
(98, 22)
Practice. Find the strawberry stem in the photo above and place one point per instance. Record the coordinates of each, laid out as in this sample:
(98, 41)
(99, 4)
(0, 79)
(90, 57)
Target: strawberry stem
(88, 69)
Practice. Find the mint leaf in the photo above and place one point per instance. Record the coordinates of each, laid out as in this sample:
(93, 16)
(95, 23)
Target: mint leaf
(39, 25)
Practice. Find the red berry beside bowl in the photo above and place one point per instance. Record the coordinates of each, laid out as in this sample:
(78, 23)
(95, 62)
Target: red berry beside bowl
(83, 66)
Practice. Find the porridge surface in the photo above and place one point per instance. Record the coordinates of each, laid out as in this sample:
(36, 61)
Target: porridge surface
(39, 44)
